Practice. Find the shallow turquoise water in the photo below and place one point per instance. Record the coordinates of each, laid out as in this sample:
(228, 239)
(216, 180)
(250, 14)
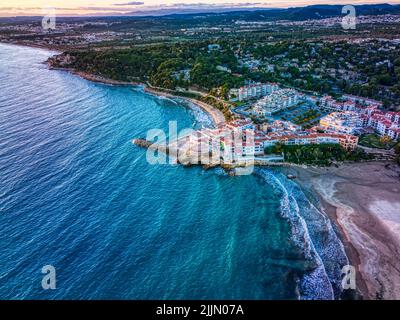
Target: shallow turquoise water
(76, 194)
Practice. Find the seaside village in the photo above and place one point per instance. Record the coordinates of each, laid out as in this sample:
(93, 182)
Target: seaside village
(247, 137)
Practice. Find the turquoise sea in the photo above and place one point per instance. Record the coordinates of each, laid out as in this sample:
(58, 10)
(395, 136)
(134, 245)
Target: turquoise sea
(76, 194)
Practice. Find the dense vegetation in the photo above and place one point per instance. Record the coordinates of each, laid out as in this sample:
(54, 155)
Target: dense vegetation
(164, 66)
(313, 154)
(375, 141)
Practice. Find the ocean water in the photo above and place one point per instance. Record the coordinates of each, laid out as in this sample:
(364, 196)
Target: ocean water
(76, 194)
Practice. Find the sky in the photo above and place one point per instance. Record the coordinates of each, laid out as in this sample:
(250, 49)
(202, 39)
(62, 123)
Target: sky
(123, 7)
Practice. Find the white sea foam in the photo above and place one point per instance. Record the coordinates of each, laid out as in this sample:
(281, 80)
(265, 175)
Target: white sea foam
(313, 232)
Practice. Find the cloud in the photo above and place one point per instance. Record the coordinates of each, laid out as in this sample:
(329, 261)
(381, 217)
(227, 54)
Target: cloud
(224, 4)
(19, 8)
(133, 3)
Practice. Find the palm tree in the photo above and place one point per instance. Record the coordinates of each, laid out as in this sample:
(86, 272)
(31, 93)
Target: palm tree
(317, 153)
(298, 155)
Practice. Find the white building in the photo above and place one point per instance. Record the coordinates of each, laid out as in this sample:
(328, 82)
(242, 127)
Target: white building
(341, 122)
(276, 101)
(256, 90)
(386, 124)
(331, 104)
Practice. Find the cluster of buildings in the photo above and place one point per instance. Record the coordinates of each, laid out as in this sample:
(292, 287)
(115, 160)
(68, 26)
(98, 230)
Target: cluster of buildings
(348, 103)
(272, 98)
(358, 113)
(347, 141)
(347, 118)
(241, 140)
(286, 133)
(231, 143)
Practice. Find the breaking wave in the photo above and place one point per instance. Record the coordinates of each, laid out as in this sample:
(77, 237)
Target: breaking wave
(312, 232)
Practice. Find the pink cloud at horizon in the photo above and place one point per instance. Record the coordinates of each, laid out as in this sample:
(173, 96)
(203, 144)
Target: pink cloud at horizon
(123, 7)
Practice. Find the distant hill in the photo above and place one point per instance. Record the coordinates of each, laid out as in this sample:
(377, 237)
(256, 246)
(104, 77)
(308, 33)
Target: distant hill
(227, 14)
(296, 13)
(326, 11)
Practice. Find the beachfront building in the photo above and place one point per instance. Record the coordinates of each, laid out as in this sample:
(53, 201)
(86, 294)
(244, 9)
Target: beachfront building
(237, 146)
(256, 90)
(259, 147)
(342, 122)
(347, 141)
(276, 101)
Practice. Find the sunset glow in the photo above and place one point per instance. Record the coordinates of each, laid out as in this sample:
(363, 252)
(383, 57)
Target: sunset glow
(124, 7)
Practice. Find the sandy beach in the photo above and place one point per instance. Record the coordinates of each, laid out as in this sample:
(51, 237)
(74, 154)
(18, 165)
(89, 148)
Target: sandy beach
(363, 202)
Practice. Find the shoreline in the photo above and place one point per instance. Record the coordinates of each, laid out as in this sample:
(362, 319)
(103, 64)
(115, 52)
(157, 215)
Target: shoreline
(361, 200)
(215, 115)
(99, 79)
(93, 77)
